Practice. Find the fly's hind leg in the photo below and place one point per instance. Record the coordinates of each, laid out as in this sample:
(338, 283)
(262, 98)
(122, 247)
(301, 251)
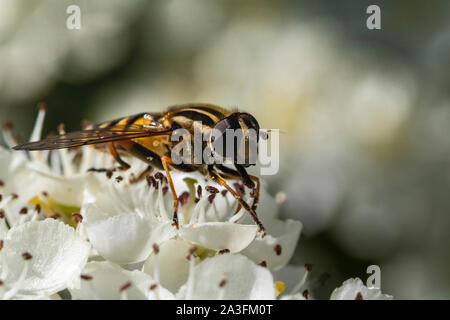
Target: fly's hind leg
(123, 165)
(165, 162)
(214, 175)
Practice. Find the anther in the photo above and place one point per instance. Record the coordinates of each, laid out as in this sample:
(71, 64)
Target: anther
(151, 181)
(164, 190)
(159, 176)
(2, 183)
(305, 294)
(76, 217)
(239, 188)
(199, 191)
(223, 251)
(2, 213)
(308, 267)
(109, 173)
(155, 248)
(211, 189)
(119, 178)
(153, 287)
(37, 208)
(26, 256)
(222, 283)
(56, 216)
(7, 125)
(1, 244)
(211, 197)
(224, 192)
(191, 252)
(183, 198)
(263, 263)
(359, 296)
(14, 196)
(45, 193)
(85, 277)
(277, 249)
(24, 210)
(125, 287)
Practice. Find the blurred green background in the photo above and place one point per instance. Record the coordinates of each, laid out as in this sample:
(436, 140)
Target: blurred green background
(366, 113)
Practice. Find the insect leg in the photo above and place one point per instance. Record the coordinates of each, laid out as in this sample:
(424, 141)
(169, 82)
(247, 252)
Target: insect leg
(143, 174)
(113, 151)
(214, 175)
(233, 174)
(165, 162)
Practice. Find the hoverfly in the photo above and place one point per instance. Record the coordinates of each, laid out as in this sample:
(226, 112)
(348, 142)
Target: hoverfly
(146, 136)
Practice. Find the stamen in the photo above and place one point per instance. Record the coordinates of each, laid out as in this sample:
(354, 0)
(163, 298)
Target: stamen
(359, 296)
(211, 189)
(280, 197)
(277, 249)
(223, 251)
(18, 284)
(123, 291)
(183, 198)
(39, 123)
(211, 197)
(119, 178)
(154, 287)
(305, 294)
(85, 277)
(263, 264)
(159, 176)
(222, 284)
(77, 218)
(199, 191)
(156, 263)
(151, 181)
(7, 135)
(191, 277)
(297, 288)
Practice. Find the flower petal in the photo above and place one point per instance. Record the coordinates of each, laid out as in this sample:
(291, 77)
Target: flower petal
(244, 280)
(277, 247)
(172, 263)
(58, 255)
(354, 287)
(107, 278)
(220, 235)
(126, 238)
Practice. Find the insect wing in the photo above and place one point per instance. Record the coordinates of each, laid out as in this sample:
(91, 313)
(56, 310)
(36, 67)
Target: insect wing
(94, 136)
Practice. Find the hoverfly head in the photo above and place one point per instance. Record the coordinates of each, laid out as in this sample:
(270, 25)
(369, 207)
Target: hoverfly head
(236, 138)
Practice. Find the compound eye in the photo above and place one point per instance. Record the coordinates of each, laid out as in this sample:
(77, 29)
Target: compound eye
(218, 136)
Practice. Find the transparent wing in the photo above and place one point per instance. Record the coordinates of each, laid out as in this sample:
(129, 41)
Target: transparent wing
(93, 136)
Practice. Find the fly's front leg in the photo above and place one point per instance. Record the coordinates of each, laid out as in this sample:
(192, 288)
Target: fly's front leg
(256, 194)
(166, 161)
(228, 173)
(215, 176)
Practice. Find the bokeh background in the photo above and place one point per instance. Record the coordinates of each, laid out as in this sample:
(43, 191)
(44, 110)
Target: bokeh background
(366, 113)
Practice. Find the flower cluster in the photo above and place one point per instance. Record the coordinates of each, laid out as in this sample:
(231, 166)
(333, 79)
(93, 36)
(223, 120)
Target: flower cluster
(109, 235)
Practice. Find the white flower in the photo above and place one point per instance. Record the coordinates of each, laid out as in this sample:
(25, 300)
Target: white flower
(40, 258)
(354, 289)
(228, 276)
(54, 180)
(106, 280)
(123, 221)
